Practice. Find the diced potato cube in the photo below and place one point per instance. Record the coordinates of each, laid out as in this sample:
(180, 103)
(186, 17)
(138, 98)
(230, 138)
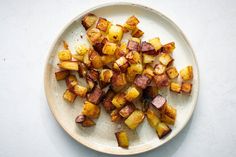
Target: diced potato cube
(121, 64)
(134, 57)
(156, 43)
(137, 33)
(133, 45)
(131, 23)
(175, 87)
(118, 81)
(115, 33)
(148, 58)
(186, 87)
(94, 36)
(172, 72)
(106, 59)
(88, 20)
(102, 24)
(123, 47)
(93, 74)
(162, 130)
(65, 55)
(187, 73)
(159, 69)
(86, 60)
(82, 50)
(69, 96)
(161, 80)
(115, 116)
(80, 90)
(119, 100)
(106, 75)
(95, 95)
(170, 111)
(109, 48)
(168, 120)
(84, 121)
(122, 139)
(61, 75)
(69, 65)
(127, 110)
(159, 101)
(152, 118)
(99, 46)
(165, 59)
(150, 92)
(134, 119)
(142, 81)
(131, 93)
(107, 104)
(96, 60)
(78, 57)
(147, 48)
(82, 69)
(90, 110)
(133, 70)
(168, 48)
(71, 81)
(148, 71)
(138, 40)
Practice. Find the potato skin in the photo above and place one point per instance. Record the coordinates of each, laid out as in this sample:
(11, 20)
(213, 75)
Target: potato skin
(127, 110)
(142, 81)
(95, 95)
(122, 139)
(158, 101)
(107, 104)
(133, 46)
(118, 81)
(147, 48)
(61, 75)
(134, 119)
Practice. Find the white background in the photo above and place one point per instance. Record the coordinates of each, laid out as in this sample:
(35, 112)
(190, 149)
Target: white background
(27, 30)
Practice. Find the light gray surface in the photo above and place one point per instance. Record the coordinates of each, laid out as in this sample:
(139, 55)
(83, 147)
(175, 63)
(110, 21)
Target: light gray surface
(27, 30)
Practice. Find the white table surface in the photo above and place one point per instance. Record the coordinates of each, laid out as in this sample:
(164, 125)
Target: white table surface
(27, 30)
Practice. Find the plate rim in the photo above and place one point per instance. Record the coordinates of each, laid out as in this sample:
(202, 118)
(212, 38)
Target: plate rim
(46, 67)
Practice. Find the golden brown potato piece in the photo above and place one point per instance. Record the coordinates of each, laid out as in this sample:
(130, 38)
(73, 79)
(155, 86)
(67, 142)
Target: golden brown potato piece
(156, 43)
(69, 65)
(158, 101)
(115, 33)
(131, 93)
(90, 110)
(137, 33)
(102, 24)
(96, 60)
(134, 57)
(133, 45)
(86, 60)
(165, 59)
(109, 48)
(98, 47)
(172, 72)
(122, 139)
(127, 110)
(78, 57)
(106, 75)
(150, 92)
(168, 120)
(142, 81)
(138, 40)
(82, 69)
(121, 50)
(152, 118)
(71, 81)
(148, 58)
(186, 87)
(161, 80)
(159, 69)
(187, 73)
(148, 71)
(93, 75)
(107, 104)
(94, 36)
(106, 59)
(69, 96)
(134, 119)
(131, 23)
(119, 100)
(115, 116)
(61, 75)
(121, 64)
(118, 81)
(84, 121)
(168, 48)
(175, 87)
(162, 130)
(80, 90)
(170, 111)
(65, 55)
(147, 48)
(95, 95)
(91, 83)
(88, 20)
(82, 50)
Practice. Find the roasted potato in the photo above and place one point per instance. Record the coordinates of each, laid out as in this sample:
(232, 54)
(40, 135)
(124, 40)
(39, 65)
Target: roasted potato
(162, 130)
(134, 57)
(80, 90)
(133, 70)
(170, 111)
(137, 33)
(95, 95)
(161, 80)
(82, 69)
(90, 110)
(93, 75)
(96, 60)
(71, 81)
(86, 60)
(127, 110)
(109, 48)
(142, 81)
(121, 64)
(172, 72)
(122, 139)
(148, 71)
(131, 23)
(152, 118)
(106, 59)
(119, 100)
(118, 81)
(186, 87)
(133, 45)
(103, 24)
(94, 35)
(115, 33)
(147, 48)
(159, 101)
(88, 20)
(150, 92)
(115, 116)
(159, 69)
(69, 65)
(168, 48)
(78, 57)
(107, 104)
(175, 87)
(82, 50)
(138, 40)
(168, 120)
(84, 121)
(106, 75)
(61, 75)
(165, 59)
(98, 47)
(134, 119)
(148, 58)
(65, 55)
(69, 96)
(187, 73)
(131, 93)
(156, 43)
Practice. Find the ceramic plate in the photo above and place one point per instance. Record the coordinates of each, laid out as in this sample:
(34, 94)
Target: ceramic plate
(101, 137)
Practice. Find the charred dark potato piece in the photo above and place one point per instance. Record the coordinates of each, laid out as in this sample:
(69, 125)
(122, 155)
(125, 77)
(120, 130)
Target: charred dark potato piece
(88, 20)
(84, 121)
(133, 46)
(71, 81)
(107, 104)
(158, 101)
(99, 46)
(142, 81)
(93, 75)
(95, 95)
(148, 48)
(127, 110)
(161, 80)
(150, 92)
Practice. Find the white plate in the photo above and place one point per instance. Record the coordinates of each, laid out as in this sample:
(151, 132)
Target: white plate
(101, 137)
